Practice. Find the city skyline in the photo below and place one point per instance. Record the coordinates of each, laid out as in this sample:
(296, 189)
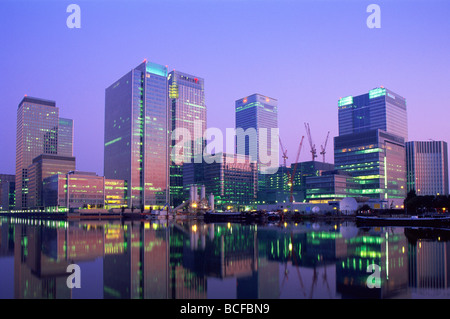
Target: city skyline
(77, 51)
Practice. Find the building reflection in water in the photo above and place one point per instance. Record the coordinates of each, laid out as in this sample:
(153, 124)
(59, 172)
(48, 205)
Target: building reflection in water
(185, 260)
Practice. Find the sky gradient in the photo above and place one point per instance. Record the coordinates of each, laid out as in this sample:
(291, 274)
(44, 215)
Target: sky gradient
(306, 54)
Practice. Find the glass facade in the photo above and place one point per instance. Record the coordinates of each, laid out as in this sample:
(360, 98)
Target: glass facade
(36, 134)
(330, 186)
(188, 114)
(65, 137)
(378, 109)
(231, 178)
(83, 190)
(43, 167)
(371, 144)
(136, 134)
(377, 160)
(256, 112)
(277, 187)
(427, 167)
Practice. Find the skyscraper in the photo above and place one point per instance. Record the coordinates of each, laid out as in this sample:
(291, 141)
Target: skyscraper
(379, 109)
(37, 133)
(136, 134)
(188, 113)
(371, 144)
(257, 116)
(427, 167)
(65, 137)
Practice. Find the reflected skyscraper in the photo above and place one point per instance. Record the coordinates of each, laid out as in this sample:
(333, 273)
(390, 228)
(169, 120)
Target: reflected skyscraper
(136, 134)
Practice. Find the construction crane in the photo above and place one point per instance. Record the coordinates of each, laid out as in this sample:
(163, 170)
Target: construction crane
(324, 147)
(284, 151)
(313, 146)
(292, 175)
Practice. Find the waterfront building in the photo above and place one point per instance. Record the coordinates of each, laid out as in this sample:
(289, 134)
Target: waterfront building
(330, 186)
(136, 147)
(188, 114)
(255, 115)
(38, 130)
(83, 189)
(7, 191)
(277, 185)
(371, 144)
(427, 167)
(231, 178)
(43, 166)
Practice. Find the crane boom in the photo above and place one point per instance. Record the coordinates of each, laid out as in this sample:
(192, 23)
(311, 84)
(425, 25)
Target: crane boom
(323, 147)
(313, 146)
(284, 151)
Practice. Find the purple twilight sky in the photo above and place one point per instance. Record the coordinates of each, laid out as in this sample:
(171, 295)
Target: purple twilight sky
(306, 54)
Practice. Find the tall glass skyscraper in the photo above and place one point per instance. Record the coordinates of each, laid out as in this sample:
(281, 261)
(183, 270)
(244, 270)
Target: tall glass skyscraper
(427, 167)
(379, 109)
(37, 133)
(188, 113)
(136, 134)
(65, 137)
(259, 113)
(371, 144)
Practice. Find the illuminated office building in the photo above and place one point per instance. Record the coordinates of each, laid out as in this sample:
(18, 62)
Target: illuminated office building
(277, 185)
(44, 166)
(371, 144)
(136, 147)
(83, 189)
(38, 128)
(188, 114)
(427, 167)
(379, 109)
(258, 113)
(231, 178)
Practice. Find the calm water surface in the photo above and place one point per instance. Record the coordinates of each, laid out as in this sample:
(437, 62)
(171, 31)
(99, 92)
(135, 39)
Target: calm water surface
(191, 259)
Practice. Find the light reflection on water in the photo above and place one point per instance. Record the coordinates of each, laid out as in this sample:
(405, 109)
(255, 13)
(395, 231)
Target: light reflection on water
(191, 259)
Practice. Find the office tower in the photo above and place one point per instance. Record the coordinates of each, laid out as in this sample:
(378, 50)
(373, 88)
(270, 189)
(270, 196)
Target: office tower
(44, 166)
(256, 112)
(371, 144)
(37, 131)
(65, 137)
(188, 114)
(427, 167)
(379, 109)
(257, 116)
(136, 134)
(7, 191)
(231, 178)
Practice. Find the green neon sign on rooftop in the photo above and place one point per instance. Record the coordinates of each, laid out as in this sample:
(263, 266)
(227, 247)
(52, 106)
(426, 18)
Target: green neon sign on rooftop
(346, 101)
(377, 93)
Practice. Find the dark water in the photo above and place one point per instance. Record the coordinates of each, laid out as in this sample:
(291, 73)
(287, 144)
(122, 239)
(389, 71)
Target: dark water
(188, 259)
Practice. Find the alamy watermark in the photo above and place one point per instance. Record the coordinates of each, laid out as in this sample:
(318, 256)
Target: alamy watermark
(74, 19)
(259, 144)
(74, 279)
(374, 279)
(374, 19)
